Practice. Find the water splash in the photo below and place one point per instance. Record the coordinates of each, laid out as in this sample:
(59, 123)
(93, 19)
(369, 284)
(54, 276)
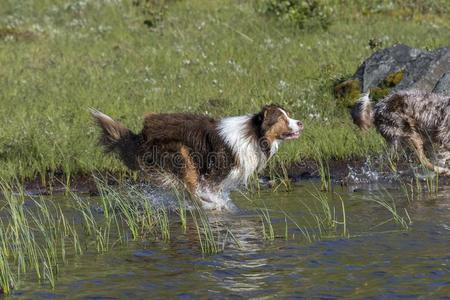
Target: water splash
(365, 174)
(173, 199)
(162, 198)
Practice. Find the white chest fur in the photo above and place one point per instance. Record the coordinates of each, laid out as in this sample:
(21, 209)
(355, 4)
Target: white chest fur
(234, 131)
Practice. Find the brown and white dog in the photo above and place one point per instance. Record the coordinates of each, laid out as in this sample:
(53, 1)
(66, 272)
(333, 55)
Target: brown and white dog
(410, 118)
(209, 157)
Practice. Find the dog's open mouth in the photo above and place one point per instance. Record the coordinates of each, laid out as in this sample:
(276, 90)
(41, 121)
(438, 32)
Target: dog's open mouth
(290, 135)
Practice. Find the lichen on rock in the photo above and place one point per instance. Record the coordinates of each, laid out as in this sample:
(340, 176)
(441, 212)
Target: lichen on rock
(393, 79)
(389, 82)
(347, 92)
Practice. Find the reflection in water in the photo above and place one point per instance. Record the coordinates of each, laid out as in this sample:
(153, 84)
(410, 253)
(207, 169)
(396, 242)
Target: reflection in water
(246, 269)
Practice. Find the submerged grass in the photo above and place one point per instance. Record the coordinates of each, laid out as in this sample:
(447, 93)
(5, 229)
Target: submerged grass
(324, 216)
(36, 234)
(386, 200)
(213, 57)
(320, 220)
(266, 223)
(34, 238)
(207, 238)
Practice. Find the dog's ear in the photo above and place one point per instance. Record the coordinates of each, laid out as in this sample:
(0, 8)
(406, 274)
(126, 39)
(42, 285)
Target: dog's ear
(264, 111)
(259, 117)
(270, 114)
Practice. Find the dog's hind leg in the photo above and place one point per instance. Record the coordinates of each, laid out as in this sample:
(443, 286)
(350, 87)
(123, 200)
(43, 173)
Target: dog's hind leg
(190, 178)
(189, 171)
(417, 142)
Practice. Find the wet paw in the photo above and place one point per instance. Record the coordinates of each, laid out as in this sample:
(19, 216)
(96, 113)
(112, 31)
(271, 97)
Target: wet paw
(442, 171)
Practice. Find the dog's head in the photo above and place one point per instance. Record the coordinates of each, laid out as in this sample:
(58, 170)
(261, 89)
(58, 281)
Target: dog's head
(277, 125)
(362, 112)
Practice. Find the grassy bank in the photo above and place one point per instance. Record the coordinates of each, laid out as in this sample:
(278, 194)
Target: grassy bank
(59, 57)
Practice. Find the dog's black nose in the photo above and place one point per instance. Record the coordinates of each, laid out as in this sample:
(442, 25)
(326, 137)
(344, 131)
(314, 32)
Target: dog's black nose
(300, 124)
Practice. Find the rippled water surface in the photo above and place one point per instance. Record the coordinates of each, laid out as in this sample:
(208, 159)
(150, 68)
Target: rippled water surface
(380, 259)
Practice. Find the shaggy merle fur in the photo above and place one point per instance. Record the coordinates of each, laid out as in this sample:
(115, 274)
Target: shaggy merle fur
(413, 118)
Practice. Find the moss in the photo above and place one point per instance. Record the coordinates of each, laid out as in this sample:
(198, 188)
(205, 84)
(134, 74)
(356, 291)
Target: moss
(378, 93)
(347, 92)
(393, 79)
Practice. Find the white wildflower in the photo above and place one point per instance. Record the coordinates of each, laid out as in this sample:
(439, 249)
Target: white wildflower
(282, 85)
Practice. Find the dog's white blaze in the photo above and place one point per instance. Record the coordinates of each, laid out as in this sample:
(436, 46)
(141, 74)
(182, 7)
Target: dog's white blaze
(366, 102)
(365, 98)
(244, 147)
(293, 124)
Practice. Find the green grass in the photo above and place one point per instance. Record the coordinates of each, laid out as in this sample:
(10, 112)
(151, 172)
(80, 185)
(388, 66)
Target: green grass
(217, 57)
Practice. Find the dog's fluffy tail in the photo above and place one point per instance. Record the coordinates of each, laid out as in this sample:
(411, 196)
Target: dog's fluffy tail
(117, 138)
(362, 112)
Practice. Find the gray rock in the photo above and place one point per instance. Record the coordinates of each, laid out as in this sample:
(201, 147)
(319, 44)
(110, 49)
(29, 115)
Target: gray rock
(422, 69)
(443, 85)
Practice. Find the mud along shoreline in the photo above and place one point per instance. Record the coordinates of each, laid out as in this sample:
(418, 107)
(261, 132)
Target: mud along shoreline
(342, 172)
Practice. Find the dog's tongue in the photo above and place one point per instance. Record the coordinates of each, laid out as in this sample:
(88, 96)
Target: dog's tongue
(293, 135)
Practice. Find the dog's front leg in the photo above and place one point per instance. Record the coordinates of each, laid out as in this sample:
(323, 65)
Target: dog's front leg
(394, 152)
(417, 142)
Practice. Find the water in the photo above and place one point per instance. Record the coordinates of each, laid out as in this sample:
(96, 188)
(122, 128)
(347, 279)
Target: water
(381, 259)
